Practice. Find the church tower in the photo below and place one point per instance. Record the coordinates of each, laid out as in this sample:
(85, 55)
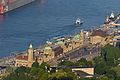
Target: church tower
(82, 36)
(30, 55)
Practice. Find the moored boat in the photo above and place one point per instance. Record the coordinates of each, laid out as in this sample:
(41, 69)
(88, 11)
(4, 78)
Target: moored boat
(8, 5)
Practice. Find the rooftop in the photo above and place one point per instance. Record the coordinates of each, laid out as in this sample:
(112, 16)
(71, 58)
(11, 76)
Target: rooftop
(60, 42)
(76, 37)
(2, 67)
(48, 47)
(21, 57)
(99, 33)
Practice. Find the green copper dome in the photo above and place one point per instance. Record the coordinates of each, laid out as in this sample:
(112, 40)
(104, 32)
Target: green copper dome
(77, 37)
(60, 42)
(48, 47)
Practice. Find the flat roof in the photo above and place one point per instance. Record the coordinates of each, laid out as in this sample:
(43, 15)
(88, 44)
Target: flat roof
(2, 67)
(69, 67)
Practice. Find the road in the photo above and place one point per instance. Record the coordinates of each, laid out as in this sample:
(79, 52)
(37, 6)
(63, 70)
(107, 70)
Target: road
(76, 54)
(7, 61)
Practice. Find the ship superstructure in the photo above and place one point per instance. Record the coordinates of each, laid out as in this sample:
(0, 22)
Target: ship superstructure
(8, 5)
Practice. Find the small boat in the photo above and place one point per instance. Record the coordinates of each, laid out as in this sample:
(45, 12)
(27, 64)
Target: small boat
(107, 21)
(112, 16)
(78, 22)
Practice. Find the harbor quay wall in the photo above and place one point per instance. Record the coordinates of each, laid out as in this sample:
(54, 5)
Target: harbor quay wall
(10, 60)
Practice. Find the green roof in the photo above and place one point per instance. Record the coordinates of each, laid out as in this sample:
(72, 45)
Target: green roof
(77, 37)
(60, 42)
(48, 47)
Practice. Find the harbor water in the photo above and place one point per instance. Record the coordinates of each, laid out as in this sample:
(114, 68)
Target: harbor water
(44, 19)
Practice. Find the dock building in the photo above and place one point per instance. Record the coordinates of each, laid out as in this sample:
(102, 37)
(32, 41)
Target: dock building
(48, 53)
(25, 60)
(99, 37)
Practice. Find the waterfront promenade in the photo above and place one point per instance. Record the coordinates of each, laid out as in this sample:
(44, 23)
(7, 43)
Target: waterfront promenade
(6, 61)
(85, 51)
(89, 51)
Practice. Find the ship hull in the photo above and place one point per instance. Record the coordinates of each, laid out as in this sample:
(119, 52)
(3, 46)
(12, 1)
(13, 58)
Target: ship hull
(13, 5)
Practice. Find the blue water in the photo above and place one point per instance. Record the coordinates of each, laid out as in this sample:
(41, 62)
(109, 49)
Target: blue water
(37, 22)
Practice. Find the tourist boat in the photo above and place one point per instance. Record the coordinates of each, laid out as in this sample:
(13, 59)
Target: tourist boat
(78, 22)
(8, 5)
(112, 16)
(107, 21)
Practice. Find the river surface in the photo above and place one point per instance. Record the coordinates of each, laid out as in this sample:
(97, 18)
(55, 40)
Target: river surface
(44, 19)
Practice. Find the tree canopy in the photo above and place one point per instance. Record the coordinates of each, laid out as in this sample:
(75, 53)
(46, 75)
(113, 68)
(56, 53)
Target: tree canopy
(106, 68)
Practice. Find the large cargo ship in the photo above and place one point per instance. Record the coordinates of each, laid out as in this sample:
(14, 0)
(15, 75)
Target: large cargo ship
(8, 5)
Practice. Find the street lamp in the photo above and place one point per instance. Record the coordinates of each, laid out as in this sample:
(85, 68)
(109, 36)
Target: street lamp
(48, 71)
(56, 70)
(46, 67)
(62, 60)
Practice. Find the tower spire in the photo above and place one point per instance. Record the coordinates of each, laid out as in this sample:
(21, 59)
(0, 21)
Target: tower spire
(30, 46)
(30, 55)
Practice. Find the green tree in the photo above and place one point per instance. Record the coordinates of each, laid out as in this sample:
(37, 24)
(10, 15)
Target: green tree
(9, 69)
(61, 75)
(12, 76)
(34, 71)
(100, 66)
(44, 76)
(22, 70)
(66, 63)
(117, 70)
(103, 78)
(35, 64)
(110, 54)
(39, 74)
(84, 63)
(44, 66)
(90, 64)
(22, 73)
(111, 74)
(87, 78)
